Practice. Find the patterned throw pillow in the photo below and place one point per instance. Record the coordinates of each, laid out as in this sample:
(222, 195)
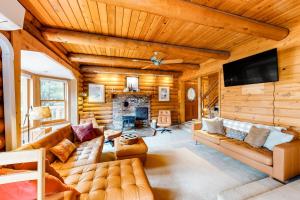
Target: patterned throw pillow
(235, 134)
(63, 150)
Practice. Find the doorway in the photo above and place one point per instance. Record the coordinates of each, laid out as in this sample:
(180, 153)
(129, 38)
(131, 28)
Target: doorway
(210, 95)
(191, 99)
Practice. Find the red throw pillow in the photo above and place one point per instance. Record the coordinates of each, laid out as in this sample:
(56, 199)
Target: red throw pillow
(84, 132)
(27, 190)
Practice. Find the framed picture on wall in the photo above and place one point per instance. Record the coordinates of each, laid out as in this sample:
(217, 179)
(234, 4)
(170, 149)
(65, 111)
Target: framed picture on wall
(132, 83)
(163, 94)
(96, 93)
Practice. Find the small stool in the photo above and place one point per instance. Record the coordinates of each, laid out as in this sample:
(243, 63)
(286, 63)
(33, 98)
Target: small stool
(137, 150)
(110, 135)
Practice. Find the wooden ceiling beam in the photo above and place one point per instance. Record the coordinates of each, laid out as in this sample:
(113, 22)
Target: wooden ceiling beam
(203, 15)
(80, 38)
(110, 61)
(114, 70)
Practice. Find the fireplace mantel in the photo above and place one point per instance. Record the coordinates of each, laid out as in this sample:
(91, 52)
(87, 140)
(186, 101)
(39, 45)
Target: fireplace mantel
(148, 94)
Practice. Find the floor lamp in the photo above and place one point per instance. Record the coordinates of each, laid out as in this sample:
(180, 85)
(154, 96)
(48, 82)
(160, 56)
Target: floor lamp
(37, 113)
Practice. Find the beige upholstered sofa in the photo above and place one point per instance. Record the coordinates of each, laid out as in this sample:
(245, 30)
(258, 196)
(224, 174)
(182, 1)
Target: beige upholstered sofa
(115, 180)
(282, 163)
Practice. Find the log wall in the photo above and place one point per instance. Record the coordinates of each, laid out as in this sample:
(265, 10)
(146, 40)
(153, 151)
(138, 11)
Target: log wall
(148, 83)
(268, 103)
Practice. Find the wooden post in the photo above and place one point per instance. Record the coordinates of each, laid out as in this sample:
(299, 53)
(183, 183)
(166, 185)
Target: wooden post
(182, 101)
(41, 175)
(17, 45)
(220, 92)
(199, 99)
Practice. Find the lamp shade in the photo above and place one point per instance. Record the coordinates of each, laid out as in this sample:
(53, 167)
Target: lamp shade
(39, 113)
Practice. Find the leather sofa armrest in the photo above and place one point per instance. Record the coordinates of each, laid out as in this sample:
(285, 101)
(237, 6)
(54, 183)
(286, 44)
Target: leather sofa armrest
(99, 130)
(67, 195)
(286, 160)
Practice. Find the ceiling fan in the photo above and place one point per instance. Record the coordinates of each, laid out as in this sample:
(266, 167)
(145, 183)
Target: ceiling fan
(157, 59)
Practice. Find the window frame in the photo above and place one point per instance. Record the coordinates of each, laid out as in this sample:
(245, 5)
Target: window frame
(29, 98)
(66, 102)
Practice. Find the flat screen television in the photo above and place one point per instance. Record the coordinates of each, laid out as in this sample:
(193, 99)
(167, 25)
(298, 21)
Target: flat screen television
(259, 68)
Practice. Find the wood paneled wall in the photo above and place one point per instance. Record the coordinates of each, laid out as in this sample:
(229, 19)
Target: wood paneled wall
(116, 82)
(80, 98)
(269, 103)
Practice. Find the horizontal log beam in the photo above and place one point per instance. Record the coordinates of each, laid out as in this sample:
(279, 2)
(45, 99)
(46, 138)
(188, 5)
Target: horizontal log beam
(114, 70)
(80, 38)
(203, 15)
(109, 61)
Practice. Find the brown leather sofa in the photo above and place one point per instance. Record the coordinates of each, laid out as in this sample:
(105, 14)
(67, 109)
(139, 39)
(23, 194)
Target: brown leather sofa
(115, 180)
(282, 163)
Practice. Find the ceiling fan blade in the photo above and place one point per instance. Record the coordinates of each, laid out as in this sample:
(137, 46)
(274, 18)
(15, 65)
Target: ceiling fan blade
(174, 61)
(144, 61)
(148, 66)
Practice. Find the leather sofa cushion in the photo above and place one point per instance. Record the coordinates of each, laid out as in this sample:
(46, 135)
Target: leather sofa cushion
(261, 155)
(115, 180)
(88, 152)
(212, 137)
(127, 150)
(50, 140)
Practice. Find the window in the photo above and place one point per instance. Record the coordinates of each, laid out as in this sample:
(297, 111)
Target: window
(25, 98)
(54, 95)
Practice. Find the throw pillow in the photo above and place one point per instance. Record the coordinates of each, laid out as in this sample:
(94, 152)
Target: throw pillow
(84, 132)
(27, 190)
(63, 150)
(33, 166)
(204, 126)
(276, 138)
(235, 134)
(215, 126)
(257, 136)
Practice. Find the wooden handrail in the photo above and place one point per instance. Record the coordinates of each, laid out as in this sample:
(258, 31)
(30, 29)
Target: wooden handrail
(215, 84)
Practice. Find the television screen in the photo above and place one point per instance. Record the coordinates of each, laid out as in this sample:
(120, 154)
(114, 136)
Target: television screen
(259, 68)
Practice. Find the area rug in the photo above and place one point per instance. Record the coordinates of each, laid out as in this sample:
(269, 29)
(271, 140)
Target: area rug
(181, 174)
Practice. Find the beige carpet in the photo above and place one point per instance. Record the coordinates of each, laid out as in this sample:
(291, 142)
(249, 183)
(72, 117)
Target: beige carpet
(180, 170)
(181, 174)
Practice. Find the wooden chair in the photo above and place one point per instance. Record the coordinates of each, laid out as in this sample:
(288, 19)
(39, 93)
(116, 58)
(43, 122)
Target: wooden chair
(38, 156)
(164, 120)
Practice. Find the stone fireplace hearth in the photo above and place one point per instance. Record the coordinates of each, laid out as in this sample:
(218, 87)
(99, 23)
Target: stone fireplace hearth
(128, 106)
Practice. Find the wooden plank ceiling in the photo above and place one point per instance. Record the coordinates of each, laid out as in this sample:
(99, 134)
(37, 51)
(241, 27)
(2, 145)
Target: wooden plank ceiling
(94, 16)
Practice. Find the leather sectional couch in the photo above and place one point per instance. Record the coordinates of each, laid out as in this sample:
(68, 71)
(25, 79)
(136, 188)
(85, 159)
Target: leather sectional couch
(115, 180)
(282, 163)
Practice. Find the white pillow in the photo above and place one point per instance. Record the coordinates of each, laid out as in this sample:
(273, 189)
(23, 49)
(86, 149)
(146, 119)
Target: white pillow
(204, 126)
(277, 137)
